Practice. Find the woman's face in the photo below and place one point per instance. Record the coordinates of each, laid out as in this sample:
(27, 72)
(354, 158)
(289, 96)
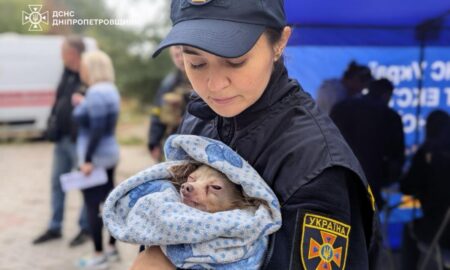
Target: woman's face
(230, 85)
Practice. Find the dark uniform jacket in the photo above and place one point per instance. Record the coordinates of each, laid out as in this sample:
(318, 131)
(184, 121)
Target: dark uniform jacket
(328, 213)
(60, 122)
(428, 179)
(157, 129)
(375, 133)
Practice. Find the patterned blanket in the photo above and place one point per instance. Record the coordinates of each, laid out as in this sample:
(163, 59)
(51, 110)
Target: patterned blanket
(146, 209)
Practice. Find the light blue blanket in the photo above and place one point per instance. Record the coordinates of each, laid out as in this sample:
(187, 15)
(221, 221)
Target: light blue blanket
(146, 209)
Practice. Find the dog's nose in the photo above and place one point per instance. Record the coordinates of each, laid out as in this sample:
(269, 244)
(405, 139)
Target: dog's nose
(187, 187)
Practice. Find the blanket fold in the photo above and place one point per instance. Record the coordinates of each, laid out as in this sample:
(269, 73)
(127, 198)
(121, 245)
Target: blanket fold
(146, 209)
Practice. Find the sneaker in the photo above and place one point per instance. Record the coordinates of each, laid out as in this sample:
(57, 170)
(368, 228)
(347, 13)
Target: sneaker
(95, 262)
(80, 238)
(47, 236)
(112, 255)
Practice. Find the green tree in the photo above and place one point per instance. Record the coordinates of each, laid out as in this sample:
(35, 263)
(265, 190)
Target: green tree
(11, 16)
(137, 76)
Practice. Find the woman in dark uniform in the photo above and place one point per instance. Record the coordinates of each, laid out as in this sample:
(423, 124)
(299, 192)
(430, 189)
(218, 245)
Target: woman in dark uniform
(233, 58)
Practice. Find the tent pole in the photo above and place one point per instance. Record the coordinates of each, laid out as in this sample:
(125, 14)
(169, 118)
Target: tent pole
(419, 94)
(428, 30)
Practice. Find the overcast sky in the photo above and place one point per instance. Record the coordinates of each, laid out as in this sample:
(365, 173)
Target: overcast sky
(141, 11)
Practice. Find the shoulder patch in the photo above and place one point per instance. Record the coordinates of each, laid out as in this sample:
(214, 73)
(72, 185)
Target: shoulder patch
(324, 243)
(371, 198)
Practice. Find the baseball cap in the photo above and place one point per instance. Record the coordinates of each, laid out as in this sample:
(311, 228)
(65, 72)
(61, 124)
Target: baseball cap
(226, 28)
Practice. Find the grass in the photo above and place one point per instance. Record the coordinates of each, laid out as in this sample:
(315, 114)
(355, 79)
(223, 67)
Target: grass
(132, 128)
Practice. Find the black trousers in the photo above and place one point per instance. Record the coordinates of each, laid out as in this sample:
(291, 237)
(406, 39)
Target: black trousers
(93, 198)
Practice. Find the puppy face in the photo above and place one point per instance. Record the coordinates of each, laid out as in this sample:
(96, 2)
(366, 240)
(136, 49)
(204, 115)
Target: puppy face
(208, 190)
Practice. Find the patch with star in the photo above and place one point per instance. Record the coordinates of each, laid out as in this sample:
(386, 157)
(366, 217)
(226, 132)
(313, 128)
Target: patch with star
(324, 243)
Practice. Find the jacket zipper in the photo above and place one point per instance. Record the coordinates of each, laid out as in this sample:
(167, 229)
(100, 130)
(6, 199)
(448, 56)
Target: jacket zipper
(233, 133)
(229, 139)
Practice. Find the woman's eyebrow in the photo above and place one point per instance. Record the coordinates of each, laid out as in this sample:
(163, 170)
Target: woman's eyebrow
(190, 51)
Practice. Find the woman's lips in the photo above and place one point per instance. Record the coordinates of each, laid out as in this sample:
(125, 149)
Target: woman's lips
(223, 101)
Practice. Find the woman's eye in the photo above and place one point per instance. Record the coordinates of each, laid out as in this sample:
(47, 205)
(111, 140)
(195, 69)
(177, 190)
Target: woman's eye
(216, 187)
(194, 66)
(190, 179)
(237, 65)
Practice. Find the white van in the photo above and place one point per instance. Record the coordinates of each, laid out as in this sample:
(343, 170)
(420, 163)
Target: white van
(30, 69)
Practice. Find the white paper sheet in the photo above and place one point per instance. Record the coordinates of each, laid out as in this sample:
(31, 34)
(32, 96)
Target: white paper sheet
(77, 180)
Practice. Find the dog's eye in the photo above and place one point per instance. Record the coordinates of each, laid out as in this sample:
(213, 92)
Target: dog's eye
(216, 187)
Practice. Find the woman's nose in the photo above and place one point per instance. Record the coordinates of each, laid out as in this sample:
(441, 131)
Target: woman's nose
(187, 187)
(217, 81)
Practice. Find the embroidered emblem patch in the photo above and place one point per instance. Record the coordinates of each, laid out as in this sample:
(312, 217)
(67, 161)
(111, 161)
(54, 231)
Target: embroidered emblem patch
(324, 243)
(199, 2)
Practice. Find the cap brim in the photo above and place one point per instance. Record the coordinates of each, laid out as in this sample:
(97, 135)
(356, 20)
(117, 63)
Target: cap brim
(222, 38)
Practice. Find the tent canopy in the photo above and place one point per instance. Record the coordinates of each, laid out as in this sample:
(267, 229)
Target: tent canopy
(368, 23)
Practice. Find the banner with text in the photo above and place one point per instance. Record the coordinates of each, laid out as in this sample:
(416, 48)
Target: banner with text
(312, 65)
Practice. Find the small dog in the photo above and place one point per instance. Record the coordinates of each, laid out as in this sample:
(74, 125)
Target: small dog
(209, 190)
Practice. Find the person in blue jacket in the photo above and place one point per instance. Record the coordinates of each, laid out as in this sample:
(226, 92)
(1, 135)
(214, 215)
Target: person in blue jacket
(244, 97)
(97, 114)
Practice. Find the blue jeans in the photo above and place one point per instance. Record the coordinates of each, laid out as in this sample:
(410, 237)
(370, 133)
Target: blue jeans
(64, 160)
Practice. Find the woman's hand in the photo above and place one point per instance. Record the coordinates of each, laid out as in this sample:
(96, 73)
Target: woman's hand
(152, 258)
(86, 168)
(156, 153)
(77, 98)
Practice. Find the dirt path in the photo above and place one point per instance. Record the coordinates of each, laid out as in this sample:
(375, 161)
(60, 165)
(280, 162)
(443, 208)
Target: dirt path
(25, 208)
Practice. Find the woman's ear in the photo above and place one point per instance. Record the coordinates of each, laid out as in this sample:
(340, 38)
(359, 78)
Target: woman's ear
(281, 44)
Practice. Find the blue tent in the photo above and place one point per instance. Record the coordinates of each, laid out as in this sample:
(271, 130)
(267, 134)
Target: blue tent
(407, 41)
(390, 36)
(369, 23)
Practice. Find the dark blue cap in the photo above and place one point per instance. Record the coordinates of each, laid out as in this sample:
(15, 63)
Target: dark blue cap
(226, 28)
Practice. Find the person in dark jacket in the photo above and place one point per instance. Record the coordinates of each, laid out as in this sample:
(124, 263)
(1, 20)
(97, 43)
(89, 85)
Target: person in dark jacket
(332, 91)
(62, 131)
(233, 58)
(170, 104)
(375, 133)
(428, 179)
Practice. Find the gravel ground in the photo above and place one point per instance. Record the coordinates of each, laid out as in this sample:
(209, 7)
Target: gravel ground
(25, 208)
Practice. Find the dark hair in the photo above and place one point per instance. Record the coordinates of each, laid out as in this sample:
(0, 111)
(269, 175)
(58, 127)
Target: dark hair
(437, 122)
(380, 87)
(274, 35)
(76, 42)
(361, 72)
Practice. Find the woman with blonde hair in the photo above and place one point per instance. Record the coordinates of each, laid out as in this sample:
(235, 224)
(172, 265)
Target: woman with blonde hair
(96, 114)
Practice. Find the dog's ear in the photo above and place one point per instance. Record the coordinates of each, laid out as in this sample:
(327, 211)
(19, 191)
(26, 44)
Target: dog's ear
(180, 173)
(247, 202)
(244, 201)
